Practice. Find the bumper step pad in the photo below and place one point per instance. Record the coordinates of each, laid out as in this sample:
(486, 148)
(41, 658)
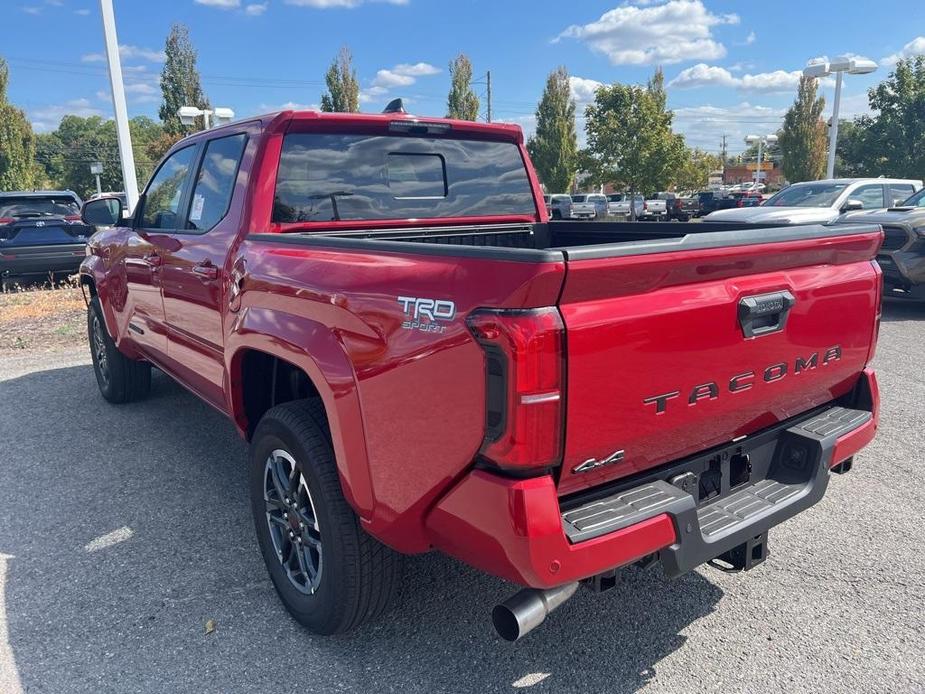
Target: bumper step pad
(797, 477)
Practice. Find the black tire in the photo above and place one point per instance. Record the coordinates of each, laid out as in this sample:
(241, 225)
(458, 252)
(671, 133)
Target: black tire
(356, 577)
(119, 378)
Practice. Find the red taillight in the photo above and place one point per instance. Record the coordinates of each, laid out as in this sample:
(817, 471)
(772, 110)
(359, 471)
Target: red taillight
(72, 217)
(645, 206)
(740, 203)
(6, 220)
(677, 204)
(524, 385)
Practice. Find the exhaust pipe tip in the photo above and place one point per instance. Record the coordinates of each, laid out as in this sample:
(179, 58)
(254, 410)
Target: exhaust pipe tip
(524, 611)
(506, 623)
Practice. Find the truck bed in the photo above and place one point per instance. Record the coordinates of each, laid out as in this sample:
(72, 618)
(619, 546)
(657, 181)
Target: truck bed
(557, 239)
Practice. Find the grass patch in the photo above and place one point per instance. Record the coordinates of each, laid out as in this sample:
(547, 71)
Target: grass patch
(41, 318)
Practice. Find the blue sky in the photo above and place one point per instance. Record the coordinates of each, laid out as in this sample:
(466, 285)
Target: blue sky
(731, 66)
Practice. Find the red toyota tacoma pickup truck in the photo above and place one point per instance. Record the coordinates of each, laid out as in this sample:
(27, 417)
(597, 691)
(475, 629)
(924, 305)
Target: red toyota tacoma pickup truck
(420, 360)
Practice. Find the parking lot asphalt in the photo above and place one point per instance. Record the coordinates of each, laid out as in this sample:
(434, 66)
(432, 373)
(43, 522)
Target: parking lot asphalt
(125, 530)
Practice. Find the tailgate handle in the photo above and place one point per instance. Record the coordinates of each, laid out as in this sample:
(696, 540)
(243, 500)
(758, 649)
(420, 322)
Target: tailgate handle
(764, 314)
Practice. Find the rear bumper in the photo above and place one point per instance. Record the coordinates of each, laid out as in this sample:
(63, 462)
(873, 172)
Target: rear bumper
(516, 529)
(41, 260)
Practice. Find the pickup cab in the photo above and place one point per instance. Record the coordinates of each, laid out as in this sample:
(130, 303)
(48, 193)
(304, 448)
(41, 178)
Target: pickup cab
(421, 361)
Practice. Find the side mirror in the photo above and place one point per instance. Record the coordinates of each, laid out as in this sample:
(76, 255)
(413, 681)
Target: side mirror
(851, 205)
(898, 202)
(102, 212)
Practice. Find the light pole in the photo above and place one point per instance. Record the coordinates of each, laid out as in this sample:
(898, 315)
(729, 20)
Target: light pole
(189, 114)
(96, 168)
(762, 140)
(838, 66)
(126, 156)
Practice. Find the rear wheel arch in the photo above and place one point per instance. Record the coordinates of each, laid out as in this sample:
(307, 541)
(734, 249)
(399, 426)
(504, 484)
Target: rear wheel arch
(261, 379)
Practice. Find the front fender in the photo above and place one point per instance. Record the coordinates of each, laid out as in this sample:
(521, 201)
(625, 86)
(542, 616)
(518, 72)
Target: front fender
(314, 348)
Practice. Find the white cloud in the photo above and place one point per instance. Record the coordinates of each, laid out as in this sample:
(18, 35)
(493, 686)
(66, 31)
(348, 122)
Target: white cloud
(30, 9)
(705, 126)
(402, 75)
(45, 118)
(128, 52)
(751, 38)
(256, 9)
(582, 90)
(915, 47)
(667, 33)
(83, 12)
(224, 4)
(702, 75)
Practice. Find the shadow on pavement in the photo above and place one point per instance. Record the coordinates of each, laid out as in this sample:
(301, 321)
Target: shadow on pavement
(129, 528)
(902, 310)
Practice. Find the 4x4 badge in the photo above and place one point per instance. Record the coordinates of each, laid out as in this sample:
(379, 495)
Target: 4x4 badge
(594, 463)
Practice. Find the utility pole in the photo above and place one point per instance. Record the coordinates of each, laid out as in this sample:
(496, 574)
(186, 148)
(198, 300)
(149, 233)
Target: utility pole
(118, 104)
(488, 78)
(724, 153)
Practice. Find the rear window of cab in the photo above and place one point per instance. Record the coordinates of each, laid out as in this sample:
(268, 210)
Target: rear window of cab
(332, 177)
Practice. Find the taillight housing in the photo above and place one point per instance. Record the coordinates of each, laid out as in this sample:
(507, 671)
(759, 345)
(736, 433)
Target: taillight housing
(72, 217)
(524, 386)
(6, 220)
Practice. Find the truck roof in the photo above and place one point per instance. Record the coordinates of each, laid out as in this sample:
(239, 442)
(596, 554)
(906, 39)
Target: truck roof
(373, 121)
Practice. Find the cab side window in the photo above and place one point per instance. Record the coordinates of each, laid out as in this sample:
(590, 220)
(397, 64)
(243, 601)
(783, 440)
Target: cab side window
(871, 196)
(215, 182)
(165, 191)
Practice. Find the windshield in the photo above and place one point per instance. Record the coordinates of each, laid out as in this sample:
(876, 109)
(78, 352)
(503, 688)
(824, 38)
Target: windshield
(596, 198)
(917, 200)
(615, 198)
(817, 194)
(561, 198)
(579, 198)
(24, 207)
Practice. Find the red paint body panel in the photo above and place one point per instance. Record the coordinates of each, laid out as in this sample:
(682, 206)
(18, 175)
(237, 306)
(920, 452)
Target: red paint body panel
(657, 332)
(407, 408)
(513, 529)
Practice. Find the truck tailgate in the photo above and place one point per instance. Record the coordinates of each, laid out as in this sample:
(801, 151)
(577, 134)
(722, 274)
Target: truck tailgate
(673, 346)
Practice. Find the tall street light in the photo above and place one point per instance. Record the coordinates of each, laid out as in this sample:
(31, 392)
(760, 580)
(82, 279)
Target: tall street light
(761, 141)
(838, 66)
(126, 156)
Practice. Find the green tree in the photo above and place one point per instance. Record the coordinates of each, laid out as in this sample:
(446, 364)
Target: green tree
(554, 146)
(343, 93)
(64, 156)
(856, 155)
(461, 102)
(17, 142)
(894, 142)
(802, 138)
(180, 83)
(695, 169)
(656, 87)
(630, 138)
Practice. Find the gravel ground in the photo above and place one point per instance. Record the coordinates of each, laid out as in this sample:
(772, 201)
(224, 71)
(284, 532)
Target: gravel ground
(124, 530)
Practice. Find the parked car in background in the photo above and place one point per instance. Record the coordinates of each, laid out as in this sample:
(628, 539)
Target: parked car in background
(748, 199)
(41, 236)
(599, 200)
(560, 206)
(902, 255)
(582, 208)
(547, 200)
(618, 204)
(654, 209)
(678, 207)
(822, 202)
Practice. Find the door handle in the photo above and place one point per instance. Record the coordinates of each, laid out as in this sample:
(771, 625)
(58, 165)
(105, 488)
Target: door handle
(206, 271)
(765, 313)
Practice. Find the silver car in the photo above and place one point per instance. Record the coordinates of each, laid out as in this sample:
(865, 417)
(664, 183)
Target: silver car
(560, 206)
(822, 202)
(582, 207)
